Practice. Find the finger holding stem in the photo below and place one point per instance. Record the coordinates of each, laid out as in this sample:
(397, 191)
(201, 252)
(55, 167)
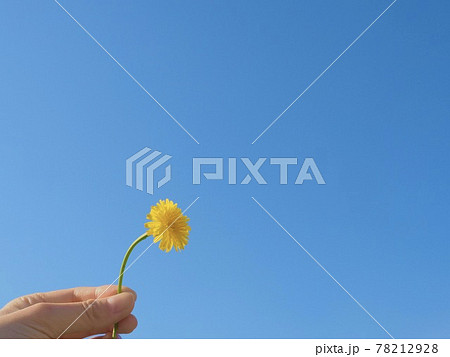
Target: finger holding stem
(122, 271)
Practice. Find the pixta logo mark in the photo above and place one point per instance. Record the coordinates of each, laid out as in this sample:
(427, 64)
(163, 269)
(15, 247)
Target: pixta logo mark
(308, 167)
(141, 161)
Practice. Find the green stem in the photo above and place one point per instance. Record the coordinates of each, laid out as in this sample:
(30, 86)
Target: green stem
(122, 271)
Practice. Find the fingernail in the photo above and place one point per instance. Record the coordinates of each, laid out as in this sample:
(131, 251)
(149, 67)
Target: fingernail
(131, 291)
(120, 301)
(134, 294)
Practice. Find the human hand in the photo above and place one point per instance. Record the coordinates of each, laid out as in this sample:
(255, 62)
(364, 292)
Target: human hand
(90, 310)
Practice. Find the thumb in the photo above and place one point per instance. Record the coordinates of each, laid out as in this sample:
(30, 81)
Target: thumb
(84, 318)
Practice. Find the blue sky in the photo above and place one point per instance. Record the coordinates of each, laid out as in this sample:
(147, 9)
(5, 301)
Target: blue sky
(376, 124)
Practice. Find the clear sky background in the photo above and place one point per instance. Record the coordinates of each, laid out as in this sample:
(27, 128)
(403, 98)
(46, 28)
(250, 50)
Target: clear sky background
(376, 124)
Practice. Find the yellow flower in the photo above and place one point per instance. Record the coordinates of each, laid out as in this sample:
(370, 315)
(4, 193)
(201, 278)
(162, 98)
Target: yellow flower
(168, 226)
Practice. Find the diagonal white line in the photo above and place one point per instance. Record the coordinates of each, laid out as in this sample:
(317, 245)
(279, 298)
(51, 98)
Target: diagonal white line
(323, 72)
(128, 73)
(321, 266)
(129, 266)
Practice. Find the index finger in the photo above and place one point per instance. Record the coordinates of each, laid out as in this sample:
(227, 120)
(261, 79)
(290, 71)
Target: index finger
(77, 294)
